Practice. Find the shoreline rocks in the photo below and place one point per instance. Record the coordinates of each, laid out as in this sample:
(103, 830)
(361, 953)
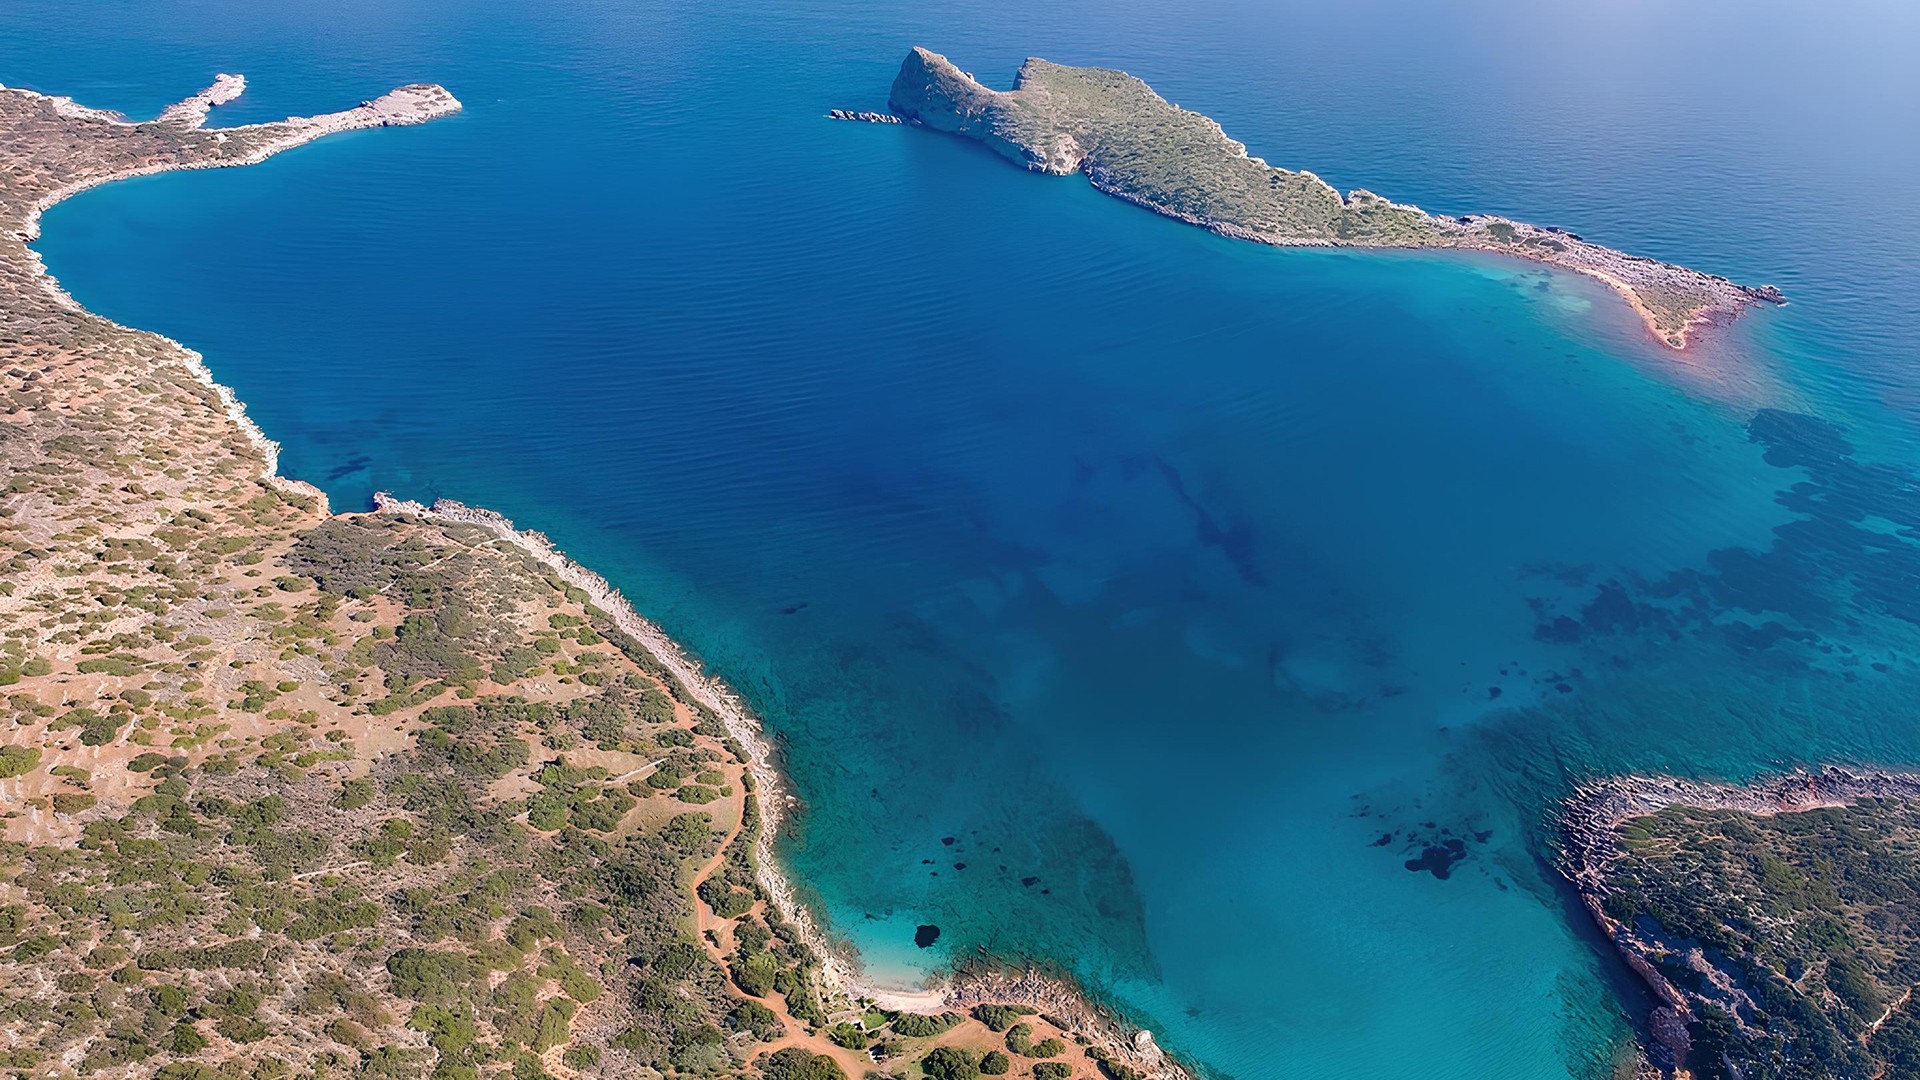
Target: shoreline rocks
(1590, 825)
(1119, 1046)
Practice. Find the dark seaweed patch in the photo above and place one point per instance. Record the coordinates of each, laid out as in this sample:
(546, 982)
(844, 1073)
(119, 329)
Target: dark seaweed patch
(1809, 581)
(1439, 859)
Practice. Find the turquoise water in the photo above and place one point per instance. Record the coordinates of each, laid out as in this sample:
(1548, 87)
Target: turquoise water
(1171, 579)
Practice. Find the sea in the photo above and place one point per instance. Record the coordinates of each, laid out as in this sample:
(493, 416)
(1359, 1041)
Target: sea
(1219, 624)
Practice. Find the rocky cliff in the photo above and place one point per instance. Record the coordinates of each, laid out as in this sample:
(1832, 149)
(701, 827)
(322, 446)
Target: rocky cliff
(1135, 145)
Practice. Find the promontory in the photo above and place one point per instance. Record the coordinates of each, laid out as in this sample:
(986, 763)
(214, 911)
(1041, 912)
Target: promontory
(1135, 145)
(1776, 925)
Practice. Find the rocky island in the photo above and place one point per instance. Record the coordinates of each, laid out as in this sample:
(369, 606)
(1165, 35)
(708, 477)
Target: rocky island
(286, 793)
(1777, 925)
(1135, 145)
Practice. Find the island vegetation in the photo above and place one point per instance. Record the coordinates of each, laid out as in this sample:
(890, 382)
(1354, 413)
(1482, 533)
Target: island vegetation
(1135, 145)
(293, 794)
(1777, 925)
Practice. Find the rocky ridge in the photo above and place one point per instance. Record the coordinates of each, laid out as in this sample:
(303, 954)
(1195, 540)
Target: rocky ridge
(1134, 145)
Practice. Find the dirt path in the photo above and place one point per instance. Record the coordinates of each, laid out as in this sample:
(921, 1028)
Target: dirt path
(854, 1063)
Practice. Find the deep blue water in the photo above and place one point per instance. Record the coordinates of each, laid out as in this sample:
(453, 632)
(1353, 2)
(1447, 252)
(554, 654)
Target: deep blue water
(1164, 575)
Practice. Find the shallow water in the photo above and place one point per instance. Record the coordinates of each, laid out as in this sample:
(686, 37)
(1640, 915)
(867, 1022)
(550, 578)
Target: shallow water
(1163, 575)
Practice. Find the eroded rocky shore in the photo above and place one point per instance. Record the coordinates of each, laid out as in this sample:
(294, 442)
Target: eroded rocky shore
(1600, 836)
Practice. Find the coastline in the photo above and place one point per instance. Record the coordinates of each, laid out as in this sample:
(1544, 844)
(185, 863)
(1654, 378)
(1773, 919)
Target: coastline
(1648, 317)
(1590, 822)
(1059, 998)
(403, 107)
(769, 785)
(1131, 1050)
(1134, 145)
(1592, 815)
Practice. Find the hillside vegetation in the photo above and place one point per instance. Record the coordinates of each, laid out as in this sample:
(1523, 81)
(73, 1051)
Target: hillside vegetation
(287, 794)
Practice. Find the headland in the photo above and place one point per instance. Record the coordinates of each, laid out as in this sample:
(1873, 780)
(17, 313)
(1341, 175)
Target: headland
(1135, 145)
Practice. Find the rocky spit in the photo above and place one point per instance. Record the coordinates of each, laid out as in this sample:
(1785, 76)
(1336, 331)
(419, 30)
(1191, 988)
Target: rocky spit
(179, 141)
(1590, 824)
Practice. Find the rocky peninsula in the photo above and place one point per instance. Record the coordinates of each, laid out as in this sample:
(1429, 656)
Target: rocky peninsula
(286, 793)
(1776, 925)
(1135, 145)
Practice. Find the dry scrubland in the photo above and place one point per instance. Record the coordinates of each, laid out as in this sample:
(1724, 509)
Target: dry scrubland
(293, 794)
(1778, 925)
(1134, 145)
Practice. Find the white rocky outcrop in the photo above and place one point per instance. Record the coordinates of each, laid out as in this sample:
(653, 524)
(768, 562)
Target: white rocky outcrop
(193, 111)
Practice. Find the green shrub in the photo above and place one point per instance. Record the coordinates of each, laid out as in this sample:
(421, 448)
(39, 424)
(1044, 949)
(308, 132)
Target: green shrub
(18, 760)
(755, 974)
(851, 1036)
(169, 1000)
(654, 707)
(799, 1063)
(546, 811)
(917, 1026)
(604, 813)
(1000, 1017)
(96, 729)
(726, 901)
(755, 1017)
(186, 1039)
(1019, 1040)
(355, 793)
(995, 1063)
(690, 831)
(431, 976)
(950, 1063)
